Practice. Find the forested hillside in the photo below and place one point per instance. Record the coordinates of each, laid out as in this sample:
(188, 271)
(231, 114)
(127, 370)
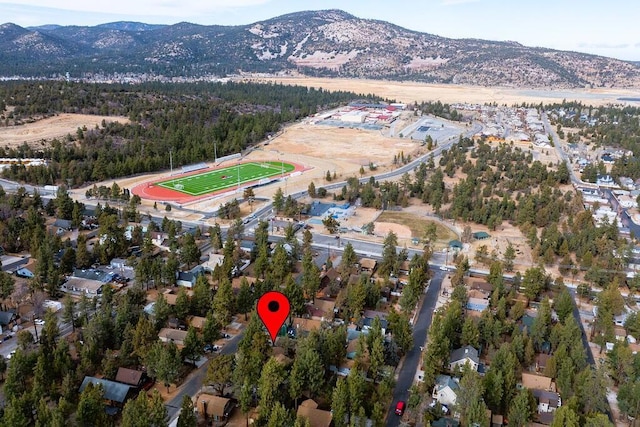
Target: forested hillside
(186, 119)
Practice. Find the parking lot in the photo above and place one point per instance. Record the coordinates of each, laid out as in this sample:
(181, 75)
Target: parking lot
(439, 130)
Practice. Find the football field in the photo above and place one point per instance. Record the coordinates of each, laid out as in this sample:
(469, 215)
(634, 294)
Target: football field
(229, 177)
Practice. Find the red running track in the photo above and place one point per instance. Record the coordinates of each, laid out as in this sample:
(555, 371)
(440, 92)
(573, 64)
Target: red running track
(149, 191)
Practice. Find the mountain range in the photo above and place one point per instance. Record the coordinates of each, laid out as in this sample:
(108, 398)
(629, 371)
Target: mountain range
(317, 43)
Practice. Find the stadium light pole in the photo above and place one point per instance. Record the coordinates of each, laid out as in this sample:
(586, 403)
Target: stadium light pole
(238, 169)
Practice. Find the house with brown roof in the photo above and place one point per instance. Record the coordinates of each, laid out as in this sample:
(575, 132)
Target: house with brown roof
(172, 335)
(196, 321)
(131, 377)
(302, 325)
(214, 409)
(541, 361)
(537, 382)
(172, 298)
(317, 417)
(479, 285)
(367, 264)
(322, 309)
(329, 277)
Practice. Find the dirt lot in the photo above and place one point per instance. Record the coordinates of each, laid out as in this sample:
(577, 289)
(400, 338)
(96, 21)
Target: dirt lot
(51, 128)
(410, 92)
(353, 146)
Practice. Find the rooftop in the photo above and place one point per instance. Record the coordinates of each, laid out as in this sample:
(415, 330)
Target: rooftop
(113, 391)
(463, 353)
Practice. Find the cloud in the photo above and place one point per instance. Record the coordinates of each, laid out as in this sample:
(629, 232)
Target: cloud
(457, 2)
(170, 8)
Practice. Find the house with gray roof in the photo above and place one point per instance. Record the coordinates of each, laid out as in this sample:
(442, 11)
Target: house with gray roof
(446, 390)
(116, 393)
(465, 355)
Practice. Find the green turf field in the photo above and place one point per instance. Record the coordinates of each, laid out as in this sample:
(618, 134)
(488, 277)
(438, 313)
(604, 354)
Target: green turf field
(229, 177)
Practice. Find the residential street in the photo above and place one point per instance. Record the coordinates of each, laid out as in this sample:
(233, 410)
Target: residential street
(411, 360)
(193, 383)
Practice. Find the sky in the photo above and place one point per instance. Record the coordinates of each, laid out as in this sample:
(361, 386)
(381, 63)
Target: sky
(608, 28)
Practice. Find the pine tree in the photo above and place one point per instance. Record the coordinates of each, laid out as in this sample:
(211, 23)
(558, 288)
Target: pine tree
(187, 416)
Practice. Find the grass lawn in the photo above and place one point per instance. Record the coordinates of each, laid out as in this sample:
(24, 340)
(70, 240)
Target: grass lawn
(229, 177)
(417, 225)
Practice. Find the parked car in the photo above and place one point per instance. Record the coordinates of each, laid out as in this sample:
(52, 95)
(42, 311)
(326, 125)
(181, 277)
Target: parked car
(39, 322)
(211, 348)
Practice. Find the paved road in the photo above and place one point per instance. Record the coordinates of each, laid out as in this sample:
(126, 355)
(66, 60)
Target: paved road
(412, 358)
(194, 381)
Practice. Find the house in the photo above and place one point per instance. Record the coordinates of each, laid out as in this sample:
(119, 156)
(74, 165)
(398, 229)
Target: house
(303, 326)
(114, 392)
(537, 382)
(316, 417)
(197, 322)
(481, 235)
(369, 317)
(7, 318)
(120, 264)
(367, 264)
(173, 298)
(214, 408)
(541, 361)
(188, 278)
(93, 274)
(352, 348)
(215, 260)
(172, 335)
(605, 181)
(477, 304)
(79, 285)
(456, 245)
(321, 309)
(620, 333)
(480, 285)
(465, 355)
(329, 277)
(281, 358)
(159, 239)
(131, 377)
(62, 225)
(548, 401)
(405, 268)
(446, 390)
(12, 263)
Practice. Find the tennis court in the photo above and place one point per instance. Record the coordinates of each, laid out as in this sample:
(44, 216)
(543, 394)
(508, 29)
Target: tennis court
(229, 177)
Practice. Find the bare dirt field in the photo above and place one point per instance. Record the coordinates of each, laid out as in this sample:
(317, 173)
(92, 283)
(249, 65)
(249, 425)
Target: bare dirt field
(410, 92)
(53, 127)
(354, 146)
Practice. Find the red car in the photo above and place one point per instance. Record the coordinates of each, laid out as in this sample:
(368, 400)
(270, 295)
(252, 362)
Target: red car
(400, 408)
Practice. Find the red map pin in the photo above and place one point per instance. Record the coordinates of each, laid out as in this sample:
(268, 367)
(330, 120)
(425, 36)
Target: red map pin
(273, 309)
